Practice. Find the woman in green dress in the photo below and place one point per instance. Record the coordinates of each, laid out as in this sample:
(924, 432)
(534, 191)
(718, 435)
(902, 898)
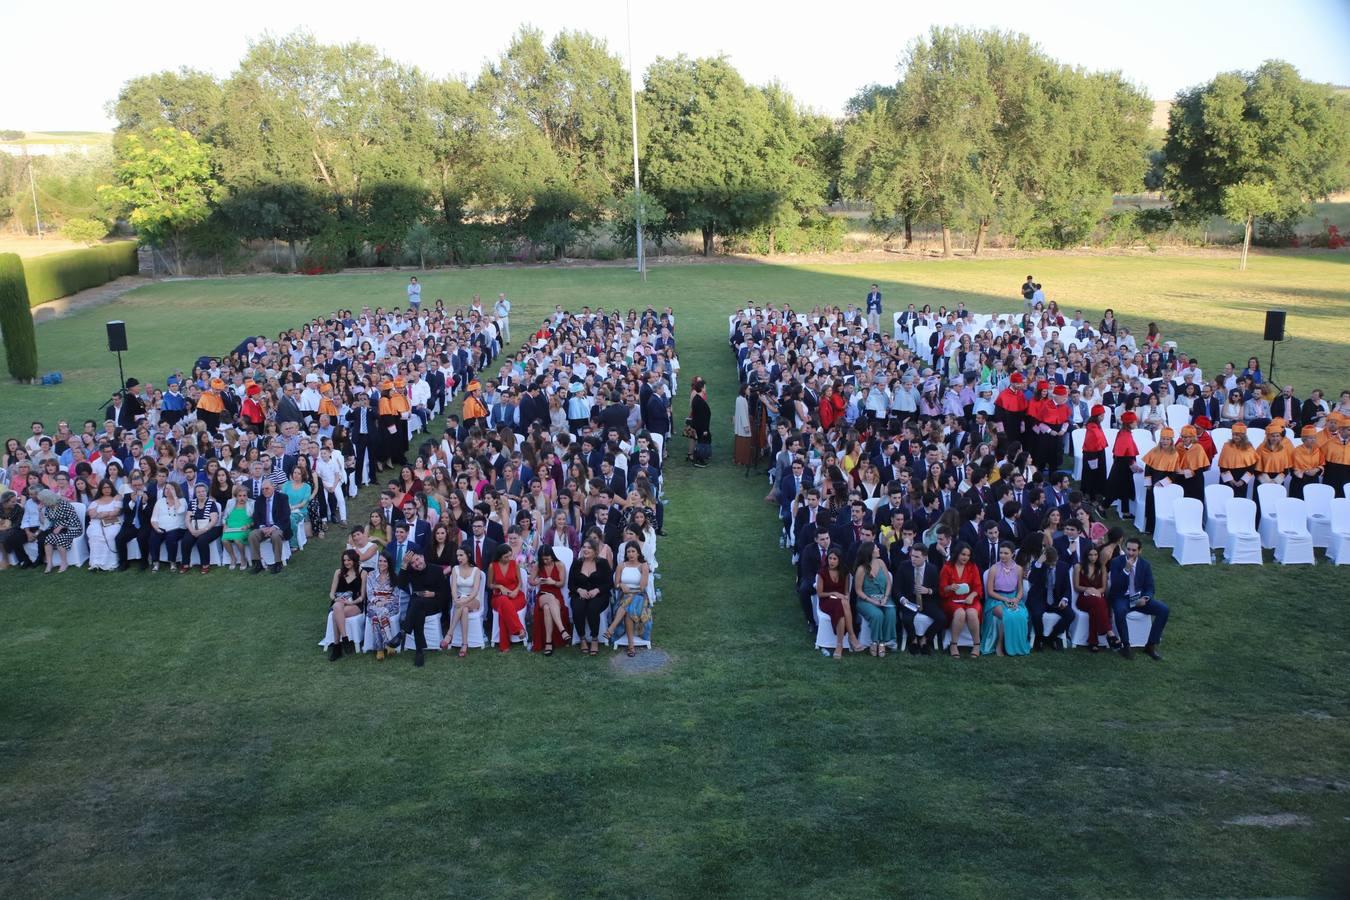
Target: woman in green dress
(298, 491)
(1005, 611)
(872, 587)
(238, 523)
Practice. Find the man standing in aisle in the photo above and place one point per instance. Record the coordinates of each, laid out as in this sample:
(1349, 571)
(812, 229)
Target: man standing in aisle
(414, 295)
(502, 310)
(874, 310)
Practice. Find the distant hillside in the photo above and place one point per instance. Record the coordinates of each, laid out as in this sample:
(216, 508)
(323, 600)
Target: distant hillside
(52, 143)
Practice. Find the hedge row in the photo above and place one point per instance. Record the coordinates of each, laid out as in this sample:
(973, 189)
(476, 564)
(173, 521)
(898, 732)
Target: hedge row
(62, 274)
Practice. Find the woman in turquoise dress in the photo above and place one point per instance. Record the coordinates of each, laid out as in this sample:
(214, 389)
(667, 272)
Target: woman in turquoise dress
(298, 491)
(1005, 612)
(872, 587)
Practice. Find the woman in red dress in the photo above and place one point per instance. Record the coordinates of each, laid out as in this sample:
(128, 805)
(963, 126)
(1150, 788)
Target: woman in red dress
(1089, 582)
(832, 591)
(960, 588)
(507, 590)
(550, 613)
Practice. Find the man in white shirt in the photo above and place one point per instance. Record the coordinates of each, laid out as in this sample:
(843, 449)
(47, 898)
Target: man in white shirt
(502, 310)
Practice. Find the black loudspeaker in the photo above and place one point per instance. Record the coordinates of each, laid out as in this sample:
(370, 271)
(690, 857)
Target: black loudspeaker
(1274, 325)
(117, 335)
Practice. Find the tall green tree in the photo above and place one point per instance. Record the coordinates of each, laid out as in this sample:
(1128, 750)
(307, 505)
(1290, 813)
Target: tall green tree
(720, 155)
(16, 319)
(1270, 126)
(188, 100)
(165, 184)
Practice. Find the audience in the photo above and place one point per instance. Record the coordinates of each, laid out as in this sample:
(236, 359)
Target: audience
(935, 456)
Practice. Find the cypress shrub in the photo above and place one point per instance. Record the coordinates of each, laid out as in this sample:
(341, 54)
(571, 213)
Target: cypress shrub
(62, 274)
(16, 319)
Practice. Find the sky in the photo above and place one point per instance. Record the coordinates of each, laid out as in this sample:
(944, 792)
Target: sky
(1161, 45)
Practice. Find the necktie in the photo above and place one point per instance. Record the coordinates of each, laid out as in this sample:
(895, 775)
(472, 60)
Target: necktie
(267, 512)
(993, 552)
(1129, 584)
(398, 558)
(478, 553)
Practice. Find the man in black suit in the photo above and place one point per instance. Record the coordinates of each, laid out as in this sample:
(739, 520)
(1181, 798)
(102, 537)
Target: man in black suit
(363, 428)
(984, 552)
(272, 522)
(811, 519)
(1011, 527)
(607, 522)
(613, 478)
(1071, 545)
(941, 551)
(481, 547)
(137, 506)
(1051, 591)
(916, 591)
(419, 530)
(848, 533)
(428, 594)
(656, 409)
(809, 563)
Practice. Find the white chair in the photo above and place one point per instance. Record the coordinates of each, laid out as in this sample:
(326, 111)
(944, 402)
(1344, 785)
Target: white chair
(921, 625)
(1139, 625)
(1076, 439)
(431, 630)
(1140, 498)
(1048, 623)
(355, 626)
(659, 442)
(1220, 436)
(965, 640)
(1318, 498)
(873, 503)
(476, 638)
(825, 639)
(1338, 550)
(1178, 416)
(1242, 545)
(1165, 498)
(1216, 514)
(1269, 496)
(521, 638)
(1077, 633)
(1293, 542)
(1192, 542)
(78, 554)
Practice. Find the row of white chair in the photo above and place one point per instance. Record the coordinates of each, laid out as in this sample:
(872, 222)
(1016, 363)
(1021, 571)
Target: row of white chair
(1290, 526)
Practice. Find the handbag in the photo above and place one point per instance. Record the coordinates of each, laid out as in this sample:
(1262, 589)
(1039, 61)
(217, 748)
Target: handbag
(689, 431)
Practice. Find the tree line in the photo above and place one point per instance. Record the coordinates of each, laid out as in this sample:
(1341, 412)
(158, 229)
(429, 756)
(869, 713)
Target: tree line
(348, 155)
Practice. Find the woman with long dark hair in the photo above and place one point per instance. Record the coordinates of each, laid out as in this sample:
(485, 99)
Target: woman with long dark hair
(699, 425)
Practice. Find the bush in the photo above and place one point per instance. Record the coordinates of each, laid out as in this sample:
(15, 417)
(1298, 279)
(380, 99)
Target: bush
(62, 274)
(16, 319)
(814, 234)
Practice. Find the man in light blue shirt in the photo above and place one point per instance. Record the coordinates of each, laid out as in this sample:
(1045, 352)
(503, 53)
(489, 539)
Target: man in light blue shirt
(414, 294)
(502, 310)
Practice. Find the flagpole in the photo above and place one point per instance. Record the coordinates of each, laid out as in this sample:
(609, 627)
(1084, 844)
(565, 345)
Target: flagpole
(637, 181)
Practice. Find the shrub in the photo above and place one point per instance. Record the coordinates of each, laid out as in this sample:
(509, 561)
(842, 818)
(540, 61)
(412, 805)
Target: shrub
(62, 274)
(16, 319)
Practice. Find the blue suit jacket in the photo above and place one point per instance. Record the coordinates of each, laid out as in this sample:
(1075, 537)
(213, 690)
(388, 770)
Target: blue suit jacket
(1143, 579)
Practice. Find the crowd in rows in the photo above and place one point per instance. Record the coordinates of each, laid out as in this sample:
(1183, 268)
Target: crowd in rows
(240, 460)
(921, 480)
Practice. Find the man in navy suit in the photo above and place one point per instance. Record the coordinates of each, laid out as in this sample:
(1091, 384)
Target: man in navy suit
(1051, 591)
(272, 522)
(874, 310)
(1071, 545)
(1131, 590)
(916, 591)
(137, 506)
(809, 564)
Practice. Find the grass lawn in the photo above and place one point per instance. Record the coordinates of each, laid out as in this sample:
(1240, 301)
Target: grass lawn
(184, 736)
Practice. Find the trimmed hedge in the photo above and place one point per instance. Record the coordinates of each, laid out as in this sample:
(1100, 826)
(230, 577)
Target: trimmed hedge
(62, 274)
(16, 319)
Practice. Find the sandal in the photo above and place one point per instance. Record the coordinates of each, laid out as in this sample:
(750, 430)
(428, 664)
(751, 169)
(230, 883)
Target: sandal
(975, 654)
(632, 652)
(565, 637)
(838, 652)
(548, 649)
(463, 652)
(956, 651)
(881, 651)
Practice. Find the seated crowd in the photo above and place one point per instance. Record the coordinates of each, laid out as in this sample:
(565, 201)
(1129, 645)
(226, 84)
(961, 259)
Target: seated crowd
(257, 450)
(918, 475)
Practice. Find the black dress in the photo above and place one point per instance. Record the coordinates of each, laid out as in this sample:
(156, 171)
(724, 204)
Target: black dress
(586, 612)
(701, 415)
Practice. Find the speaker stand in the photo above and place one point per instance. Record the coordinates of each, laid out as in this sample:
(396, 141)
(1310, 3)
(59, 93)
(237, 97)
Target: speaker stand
(121, 376)
(1271, 376)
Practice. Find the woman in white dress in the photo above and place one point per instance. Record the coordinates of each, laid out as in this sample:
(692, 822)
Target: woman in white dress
(466, 594)
(105, 520)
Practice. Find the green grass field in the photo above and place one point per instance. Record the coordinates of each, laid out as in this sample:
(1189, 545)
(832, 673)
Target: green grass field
(184, 736)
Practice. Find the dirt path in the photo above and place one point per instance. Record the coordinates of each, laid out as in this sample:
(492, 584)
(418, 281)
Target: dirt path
(55, 309)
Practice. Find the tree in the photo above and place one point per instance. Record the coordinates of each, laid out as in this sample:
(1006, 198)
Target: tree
(717, 154)
(625, 214)
(165, 183)
(187, 100)
(276, 211)
(16, 319)
(84, 231)
(1243, 202)
(421, 240)
(1267, 126)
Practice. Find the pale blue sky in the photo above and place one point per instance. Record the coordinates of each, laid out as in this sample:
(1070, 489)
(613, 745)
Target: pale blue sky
(63, 62)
